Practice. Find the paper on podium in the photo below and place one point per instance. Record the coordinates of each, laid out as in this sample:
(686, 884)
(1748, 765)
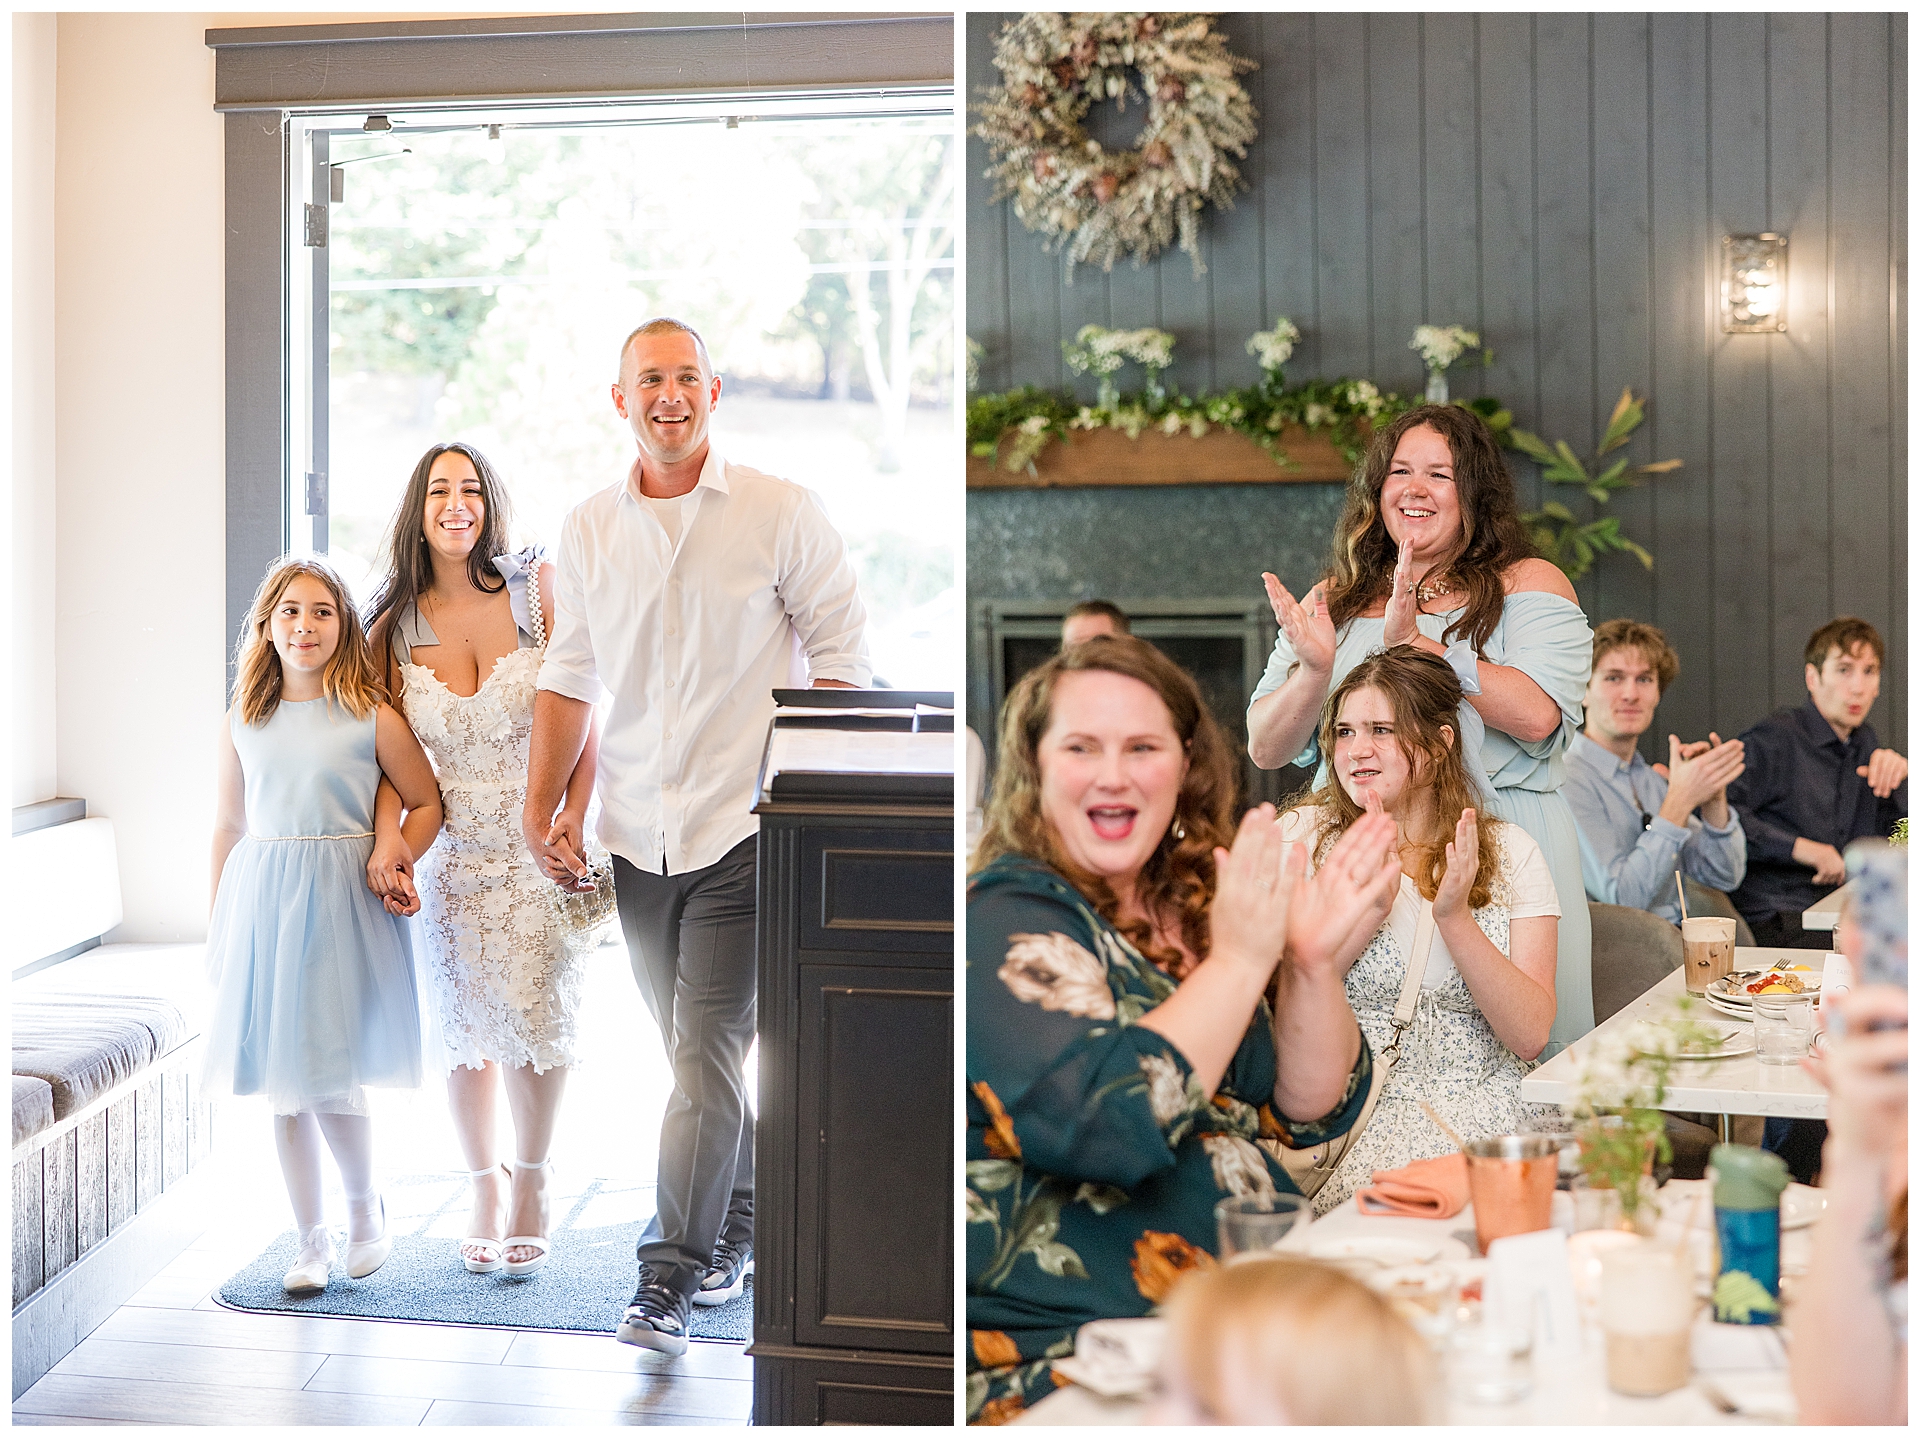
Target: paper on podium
(858, 751)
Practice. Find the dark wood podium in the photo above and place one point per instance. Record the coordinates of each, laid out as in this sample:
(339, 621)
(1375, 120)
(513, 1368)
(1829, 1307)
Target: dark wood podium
(853, 1158)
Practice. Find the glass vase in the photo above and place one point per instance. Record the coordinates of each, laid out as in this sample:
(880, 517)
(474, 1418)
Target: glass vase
(1436, 386)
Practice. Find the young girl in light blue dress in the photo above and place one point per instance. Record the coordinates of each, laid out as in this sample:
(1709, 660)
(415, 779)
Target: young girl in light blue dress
(308, 943)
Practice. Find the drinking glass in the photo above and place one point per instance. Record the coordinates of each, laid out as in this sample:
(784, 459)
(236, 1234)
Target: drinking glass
(1708, 948)
(1598, 1206)
(1487, 1362)
(1782, 1027)
(1646, 1311)
(1255, 1223)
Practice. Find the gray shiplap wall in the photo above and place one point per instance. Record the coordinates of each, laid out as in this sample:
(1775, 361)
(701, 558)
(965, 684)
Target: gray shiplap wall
(1560, 182)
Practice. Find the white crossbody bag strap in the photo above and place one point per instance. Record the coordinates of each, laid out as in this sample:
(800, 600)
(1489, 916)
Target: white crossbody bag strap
(1410, 986)
(1310, 1168)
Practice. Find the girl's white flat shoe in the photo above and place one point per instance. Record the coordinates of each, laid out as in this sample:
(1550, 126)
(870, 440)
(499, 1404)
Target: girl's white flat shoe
(310, 1268)
(366, 1256)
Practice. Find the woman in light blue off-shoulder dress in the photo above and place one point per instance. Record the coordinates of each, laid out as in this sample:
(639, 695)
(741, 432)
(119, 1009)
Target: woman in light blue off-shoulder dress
(1430, 550)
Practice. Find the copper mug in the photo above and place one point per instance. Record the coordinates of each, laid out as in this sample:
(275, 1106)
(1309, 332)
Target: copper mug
(1510, 1178)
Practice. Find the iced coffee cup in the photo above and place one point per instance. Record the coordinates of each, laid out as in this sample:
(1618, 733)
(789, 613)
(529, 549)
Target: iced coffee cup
(1708, 944)
(1646, 1312)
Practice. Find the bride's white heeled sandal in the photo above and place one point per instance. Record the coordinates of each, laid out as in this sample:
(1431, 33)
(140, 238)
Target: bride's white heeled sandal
(536, 1241)
(315, 1259)
(490, 1258)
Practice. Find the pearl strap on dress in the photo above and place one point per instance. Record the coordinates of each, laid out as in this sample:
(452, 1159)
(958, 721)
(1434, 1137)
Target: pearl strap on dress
(533, 606)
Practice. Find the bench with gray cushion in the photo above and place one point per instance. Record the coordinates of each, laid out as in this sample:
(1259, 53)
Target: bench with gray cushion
(81, 1045)
(107, 1117)
(106, 1113)
(32, 1107)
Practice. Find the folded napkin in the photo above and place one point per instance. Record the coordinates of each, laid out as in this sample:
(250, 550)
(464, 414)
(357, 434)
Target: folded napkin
(1116, 1357)
(1426, 1188)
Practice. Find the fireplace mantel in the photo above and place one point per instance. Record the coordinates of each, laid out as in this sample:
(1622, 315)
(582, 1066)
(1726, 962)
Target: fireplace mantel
(1221, 456)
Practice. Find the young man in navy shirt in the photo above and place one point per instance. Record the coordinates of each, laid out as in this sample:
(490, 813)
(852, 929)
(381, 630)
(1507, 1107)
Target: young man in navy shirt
(1816, 780)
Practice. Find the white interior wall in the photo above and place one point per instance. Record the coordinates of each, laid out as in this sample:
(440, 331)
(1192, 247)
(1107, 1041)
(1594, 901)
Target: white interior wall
(139, 427)
(30, 669)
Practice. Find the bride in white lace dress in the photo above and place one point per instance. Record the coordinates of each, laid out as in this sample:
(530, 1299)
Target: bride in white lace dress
(461, 626)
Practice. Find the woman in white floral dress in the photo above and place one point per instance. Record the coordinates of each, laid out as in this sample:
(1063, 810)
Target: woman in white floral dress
(1486, 999)
(460, 624)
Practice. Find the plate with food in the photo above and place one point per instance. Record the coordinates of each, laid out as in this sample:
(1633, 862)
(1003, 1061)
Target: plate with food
(1721, 1039)
(1740, 986)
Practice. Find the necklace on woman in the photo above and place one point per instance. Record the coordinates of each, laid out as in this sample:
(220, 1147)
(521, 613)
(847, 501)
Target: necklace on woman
(1431, 590)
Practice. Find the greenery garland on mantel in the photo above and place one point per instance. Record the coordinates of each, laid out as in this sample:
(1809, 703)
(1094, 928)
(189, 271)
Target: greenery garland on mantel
(1012, 428)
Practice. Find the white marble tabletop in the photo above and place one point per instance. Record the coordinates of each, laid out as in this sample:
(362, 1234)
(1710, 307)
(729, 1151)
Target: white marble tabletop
(1730, 1086)
(1824, 917)
(1748, 1364)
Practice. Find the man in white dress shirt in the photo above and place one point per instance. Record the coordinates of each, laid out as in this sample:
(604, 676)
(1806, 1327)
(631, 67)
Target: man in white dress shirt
(690, 591)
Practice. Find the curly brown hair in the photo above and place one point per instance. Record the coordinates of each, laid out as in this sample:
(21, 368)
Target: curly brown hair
(1655, 652)
(1178, 879)
(1492, 539)
(1425, 694)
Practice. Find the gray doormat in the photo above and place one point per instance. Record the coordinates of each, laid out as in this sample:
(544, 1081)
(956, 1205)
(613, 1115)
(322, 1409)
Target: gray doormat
(583, 1287)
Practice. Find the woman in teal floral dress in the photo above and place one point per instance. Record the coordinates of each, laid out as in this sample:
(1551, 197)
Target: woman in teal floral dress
(1121, 1054)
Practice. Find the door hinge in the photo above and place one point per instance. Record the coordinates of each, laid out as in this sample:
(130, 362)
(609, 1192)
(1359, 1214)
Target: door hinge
(316, 493)
(316, 227)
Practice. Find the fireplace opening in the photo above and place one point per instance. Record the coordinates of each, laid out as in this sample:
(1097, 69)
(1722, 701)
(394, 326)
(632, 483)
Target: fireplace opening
(1222, 643)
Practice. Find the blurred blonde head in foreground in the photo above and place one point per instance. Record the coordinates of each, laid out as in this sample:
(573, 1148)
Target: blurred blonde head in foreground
(1289, 1341)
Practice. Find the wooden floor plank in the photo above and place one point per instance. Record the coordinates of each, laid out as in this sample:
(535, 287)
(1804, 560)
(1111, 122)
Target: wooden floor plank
(121, 1400)
(602, 1354)
(534, 1387)
(452, 1413)
(164, 1292)
(48, 1420)
(294, 1333)
(171, 1363)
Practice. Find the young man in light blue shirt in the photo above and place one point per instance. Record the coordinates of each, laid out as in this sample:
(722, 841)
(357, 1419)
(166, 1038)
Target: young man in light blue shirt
(1638, 824)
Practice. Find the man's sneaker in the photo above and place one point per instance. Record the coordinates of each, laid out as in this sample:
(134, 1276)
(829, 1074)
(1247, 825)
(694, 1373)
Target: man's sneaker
(656, 1318)
(728, 1275)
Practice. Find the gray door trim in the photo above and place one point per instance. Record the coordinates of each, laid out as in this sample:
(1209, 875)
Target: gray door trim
(261, 74)
(300, 66)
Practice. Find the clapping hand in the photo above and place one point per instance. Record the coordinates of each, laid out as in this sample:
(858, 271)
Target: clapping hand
(1884, 772)
(1699, 773)
(1335, 913)
(1307, 626)
(1253, 890)
(1403, 606)
(1463, 864)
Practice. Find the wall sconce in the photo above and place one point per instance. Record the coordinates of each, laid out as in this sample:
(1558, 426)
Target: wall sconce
(1753, 284)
